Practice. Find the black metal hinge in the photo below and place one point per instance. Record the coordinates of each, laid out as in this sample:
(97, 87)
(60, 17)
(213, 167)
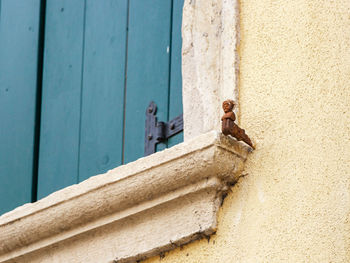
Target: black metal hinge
(156, 132)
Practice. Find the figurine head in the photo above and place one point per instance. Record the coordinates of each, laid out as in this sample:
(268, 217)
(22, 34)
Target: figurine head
(228, 105)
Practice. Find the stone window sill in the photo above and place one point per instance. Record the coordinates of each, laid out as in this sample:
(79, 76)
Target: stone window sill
(133, 211)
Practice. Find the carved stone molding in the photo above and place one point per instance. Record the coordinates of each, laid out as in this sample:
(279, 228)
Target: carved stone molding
(132, 212)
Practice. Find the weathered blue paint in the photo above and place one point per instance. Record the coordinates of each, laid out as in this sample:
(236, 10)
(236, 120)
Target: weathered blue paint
(61, 95)
(19, 34)
(104, 61)
(147, 70)
(103, 87)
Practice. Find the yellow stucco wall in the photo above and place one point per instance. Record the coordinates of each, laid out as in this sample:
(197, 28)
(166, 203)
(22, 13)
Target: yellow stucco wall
(293, 205)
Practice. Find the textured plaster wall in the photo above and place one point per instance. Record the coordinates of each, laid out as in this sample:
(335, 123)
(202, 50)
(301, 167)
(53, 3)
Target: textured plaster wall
(293, 205)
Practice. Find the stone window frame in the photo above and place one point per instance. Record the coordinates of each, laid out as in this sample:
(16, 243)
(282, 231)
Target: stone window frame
(160, 201)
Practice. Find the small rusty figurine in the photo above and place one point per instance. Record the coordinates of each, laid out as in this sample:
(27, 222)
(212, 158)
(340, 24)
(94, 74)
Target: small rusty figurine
(229, 127)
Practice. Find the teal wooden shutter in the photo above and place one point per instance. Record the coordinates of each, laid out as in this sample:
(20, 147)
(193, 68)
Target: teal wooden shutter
(19, 44)
(61, 95)
(147, 70)
(103, 87)
(153, 70)
(83, 87)
(103, 62)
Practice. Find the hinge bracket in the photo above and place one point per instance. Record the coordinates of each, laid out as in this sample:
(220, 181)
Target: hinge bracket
(156, 132)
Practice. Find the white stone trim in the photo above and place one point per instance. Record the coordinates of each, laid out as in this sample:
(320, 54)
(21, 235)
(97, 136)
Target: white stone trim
(210, 34)
(130, 213)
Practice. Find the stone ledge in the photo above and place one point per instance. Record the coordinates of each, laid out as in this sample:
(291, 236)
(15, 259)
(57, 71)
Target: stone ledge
(131, 212)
